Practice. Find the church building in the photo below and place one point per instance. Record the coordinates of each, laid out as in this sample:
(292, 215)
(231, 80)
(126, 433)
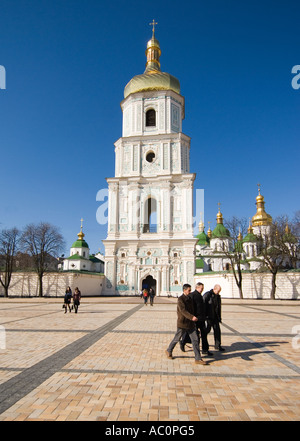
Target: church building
(150, 241)
(210, 247)
(80, 258)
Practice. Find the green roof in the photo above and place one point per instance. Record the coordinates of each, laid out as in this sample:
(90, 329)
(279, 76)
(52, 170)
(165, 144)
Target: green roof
(80, 244)
(220, 231)
(289, 238)
(76, 257)
(239, 246)
(250, 238)
(203, 239)
(94, 259)
(200, 263)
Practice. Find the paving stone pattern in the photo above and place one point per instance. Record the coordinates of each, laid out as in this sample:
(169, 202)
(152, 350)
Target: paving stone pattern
(108, 363)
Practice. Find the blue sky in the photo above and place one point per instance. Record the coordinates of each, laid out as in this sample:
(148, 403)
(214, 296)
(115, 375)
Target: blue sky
(67, 63)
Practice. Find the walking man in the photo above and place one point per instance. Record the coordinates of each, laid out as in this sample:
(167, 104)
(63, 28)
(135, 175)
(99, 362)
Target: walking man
(151, 295)
(199, 310)
(186, 322)
(212, 302)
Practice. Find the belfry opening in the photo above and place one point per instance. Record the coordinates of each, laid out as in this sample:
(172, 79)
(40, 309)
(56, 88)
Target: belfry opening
(149, 282)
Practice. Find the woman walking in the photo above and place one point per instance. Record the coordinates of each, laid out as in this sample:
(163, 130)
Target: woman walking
(67, 299)
(145, 296)
(76, 299)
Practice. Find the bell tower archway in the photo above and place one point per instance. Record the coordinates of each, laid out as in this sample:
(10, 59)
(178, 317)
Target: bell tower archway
(149, 282)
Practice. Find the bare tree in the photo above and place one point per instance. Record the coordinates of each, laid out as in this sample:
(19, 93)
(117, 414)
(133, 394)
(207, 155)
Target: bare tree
(278, 248)
(41, 242)
(296, 224)
(287, 240)
(9, 240)
(237, 228)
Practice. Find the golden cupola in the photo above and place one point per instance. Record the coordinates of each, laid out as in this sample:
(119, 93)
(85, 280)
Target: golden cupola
(80, 242)
(152, 78)
(261, 218)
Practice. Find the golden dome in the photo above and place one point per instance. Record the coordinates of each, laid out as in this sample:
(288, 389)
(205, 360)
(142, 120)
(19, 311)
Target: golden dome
(152, 81)
(219, 215)
(261, 217)
(209, 232)
(250, 229)
(152, 78)
(81, 233)
(201, 226)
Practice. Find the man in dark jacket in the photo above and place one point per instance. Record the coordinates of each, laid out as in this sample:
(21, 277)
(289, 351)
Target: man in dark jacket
(199, 310)
(212, 302)
(186, 322)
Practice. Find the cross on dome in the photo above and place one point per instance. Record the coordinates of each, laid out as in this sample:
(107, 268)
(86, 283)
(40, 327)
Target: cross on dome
(153, 24)
(258, 188)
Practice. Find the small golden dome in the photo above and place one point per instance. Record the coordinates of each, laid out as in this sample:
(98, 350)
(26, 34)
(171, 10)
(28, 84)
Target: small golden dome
(201, 226)
(209, 232)
(261, 217)
(81, 233)
(250, 229)
(152, 78)
(219, 215)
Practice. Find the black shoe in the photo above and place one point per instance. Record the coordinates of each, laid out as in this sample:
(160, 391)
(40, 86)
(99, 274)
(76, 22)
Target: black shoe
(181, 346)
(220, 348)
(208, 353)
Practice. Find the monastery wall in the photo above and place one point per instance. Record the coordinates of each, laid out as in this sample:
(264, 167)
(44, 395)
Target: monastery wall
(25, 284)
(254, 285)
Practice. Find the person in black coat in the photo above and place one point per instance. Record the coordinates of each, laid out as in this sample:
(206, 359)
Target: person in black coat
(199, 309)
(212, 302)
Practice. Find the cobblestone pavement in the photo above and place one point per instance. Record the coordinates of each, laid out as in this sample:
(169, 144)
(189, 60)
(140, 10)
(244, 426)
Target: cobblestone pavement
(108, 362)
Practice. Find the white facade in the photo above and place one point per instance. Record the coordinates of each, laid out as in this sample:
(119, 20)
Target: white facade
(150, 233)
(169, 109)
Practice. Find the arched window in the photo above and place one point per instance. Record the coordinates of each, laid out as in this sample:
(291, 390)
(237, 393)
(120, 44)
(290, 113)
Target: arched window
(150, 118)
(150, 216)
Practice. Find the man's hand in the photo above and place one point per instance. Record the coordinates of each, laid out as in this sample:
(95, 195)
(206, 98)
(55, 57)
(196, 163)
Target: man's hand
(194, 319)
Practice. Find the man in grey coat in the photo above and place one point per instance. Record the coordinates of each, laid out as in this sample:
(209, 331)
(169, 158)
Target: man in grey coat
(186, 323)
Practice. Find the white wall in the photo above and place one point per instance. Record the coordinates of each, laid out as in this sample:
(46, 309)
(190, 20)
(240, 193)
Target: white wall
(55, 284)
(254, 285)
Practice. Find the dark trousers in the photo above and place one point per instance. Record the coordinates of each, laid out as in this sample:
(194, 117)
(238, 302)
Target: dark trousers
(194, 339)
(217, 331)
(201, 332)
(76, 304)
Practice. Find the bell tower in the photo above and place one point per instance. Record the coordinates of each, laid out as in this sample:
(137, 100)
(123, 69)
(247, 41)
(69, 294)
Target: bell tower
(150, 220)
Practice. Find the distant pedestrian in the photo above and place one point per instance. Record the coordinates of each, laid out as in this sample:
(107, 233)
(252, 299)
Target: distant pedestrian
(212, 301)
(67, 299)
(186, 322)
(151, 295)
(145, 296)
(76, 299)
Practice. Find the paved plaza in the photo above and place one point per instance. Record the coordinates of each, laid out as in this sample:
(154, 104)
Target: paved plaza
(108, 362)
